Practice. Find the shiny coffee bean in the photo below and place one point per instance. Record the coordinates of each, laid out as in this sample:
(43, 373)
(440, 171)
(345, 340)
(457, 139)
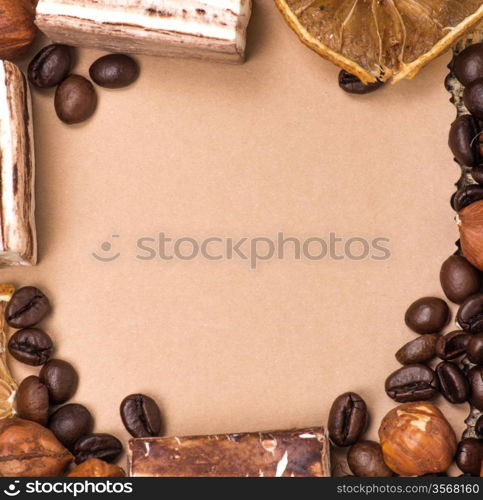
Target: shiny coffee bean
(477, 173)
(470, 314)
(466, 196)
(479, 427)
(114, 71)
(141, 416)
(365, 459)
(475, 378)
(347, 419)
(102, 446)
(468, 64)
(419, 350)
(27, 307)
(469, 456)
(452, 345)
(459, 279)
(75, 100)
(70, 422)
(60, 378)
(31, 346)
(427, 315)
(50, 66)
(352, 85)
(474, 351)
(473, 98)
(412, 383)
(33, 400)
(453, 384)
(462, 142)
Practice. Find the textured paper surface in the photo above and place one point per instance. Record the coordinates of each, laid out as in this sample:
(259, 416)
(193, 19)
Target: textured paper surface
(201, 149)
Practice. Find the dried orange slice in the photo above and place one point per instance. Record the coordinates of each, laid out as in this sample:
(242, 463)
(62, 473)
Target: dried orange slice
(8, 387)
(380, 39)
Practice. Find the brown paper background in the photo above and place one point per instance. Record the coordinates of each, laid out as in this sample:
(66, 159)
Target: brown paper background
(201, 149)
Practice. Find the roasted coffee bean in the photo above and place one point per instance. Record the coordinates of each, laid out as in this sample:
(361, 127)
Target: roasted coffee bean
(365, 459)
(468, 64)
(462, 142)
(412, 383)
(61, 380)
(474, 350)
(103, 446)
(50, 66)
(351, 84)
(470, 314)
(141, 416)
(453, 384)
(419, 350)
(31, 346)
(479, 427)
(477, 173)
(70, 422)
(114, 71)
(27, 307)
(452, 345)
(75, 100)
(459, 279)
(466, 196)
(427, 315)
(475, 378)
(347, 419)
(473, 98)
(33, 400)
(469, 456)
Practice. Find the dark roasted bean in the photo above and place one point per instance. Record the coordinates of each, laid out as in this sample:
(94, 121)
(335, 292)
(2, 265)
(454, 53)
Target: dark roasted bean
(75, 100)
(466, 196)
(468, 64)
(31, 346)
(459, 279)
(33, 400)
(473, 98)
(347, 419)
(412, 383)
(365, 459)
(474, 350)
(141, 416)
(352, 85)
(27, 307)
(453, 384)
(70, 422)
(102, 446)
(419, 350)
(469, 456)
(470, 314)
(50, 66)
(114, 71)
(60, 378)
(463, 132)
(475, 378)
(427, 315)
(452, 345)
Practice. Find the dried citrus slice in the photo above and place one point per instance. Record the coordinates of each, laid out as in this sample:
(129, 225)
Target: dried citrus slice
(8, 387)
(380, 39)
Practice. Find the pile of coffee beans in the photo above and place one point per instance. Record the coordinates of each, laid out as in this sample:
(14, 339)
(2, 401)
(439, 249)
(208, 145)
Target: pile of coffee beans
(39, 396)
(75, 97)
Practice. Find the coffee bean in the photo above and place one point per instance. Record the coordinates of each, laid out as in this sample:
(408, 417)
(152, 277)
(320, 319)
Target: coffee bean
(365, 459)
(452, 345)
(477, 173)
(102, 446)
(60, 378)
(469, 456)
(474, 350)
(75, 100)
(459, 279)
(479, 427)
(27, 307)
(352, 84)
(473, 98)
(31, 346)
(347, 419)
(470, 314)
(70, 422)
(33, 400)
(114, 71)
(141, 416)
(50, 66)
(412, 383)
(427, 315)
(453, 384)
(419, 350)
(475, 378)
(468, 64)
(466, 196)
(462, 142)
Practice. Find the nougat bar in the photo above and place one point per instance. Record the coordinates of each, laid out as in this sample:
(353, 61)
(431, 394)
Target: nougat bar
(293, 453)
(17, 204)
(212, 29)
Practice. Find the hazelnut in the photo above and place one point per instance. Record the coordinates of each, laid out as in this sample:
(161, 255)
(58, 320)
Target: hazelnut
(417, 439)
(17, 28)
(96, 468)
(470, 220)
(29, 450)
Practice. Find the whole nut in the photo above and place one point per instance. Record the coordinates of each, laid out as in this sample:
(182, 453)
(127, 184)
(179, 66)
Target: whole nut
(96, 468)
(417, 439)
(17, 28)
(29, 450)
(470, 220)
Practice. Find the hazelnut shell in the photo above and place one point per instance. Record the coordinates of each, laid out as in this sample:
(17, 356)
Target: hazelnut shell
(470, 221)
(96, 468)
(17, 28)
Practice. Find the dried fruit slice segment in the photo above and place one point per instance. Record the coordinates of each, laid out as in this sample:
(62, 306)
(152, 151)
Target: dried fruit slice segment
(380, 39)
(8, 386)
